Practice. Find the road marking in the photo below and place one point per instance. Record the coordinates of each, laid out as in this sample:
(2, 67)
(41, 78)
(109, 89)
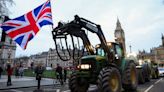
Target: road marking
(58, 90)
(152, 85)
(16, 90)
(148, 88)
(66, 91)
(158, 81)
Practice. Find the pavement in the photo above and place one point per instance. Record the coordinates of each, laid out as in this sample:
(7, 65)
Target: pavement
(24, 82)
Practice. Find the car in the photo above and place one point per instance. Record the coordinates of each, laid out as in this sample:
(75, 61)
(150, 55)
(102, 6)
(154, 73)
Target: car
(161, 71)
(48, 68)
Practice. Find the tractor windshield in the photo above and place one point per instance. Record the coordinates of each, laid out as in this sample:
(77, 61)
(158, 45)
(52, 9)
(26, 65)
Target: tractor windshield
(100, 52)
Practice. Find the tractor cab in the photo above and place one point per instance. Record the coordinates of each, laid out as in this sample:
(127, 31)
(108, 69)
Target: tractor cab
(114, 48)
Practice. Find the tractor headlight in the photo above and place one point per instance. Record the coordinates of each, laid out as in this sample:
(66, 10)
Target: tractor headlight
(140, 62)
(85, 66)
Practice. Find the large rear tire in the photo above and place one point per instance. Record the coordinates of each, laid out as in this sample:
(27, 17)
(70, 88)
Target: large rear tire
(130, 80)
(147, 72)
(109, 80)
(78, 84)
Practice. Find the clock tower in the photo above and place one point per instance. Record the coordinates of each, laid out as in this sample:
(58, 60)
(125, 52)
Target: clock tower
(119, 35)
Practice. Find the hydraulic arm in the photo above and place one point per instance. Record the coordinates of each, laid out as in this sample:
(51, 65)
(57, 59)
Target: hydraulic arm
(76, 28)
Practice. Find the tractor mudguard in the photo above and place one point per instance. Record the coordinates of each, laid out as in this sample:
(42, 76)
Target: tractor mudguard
(124, 64)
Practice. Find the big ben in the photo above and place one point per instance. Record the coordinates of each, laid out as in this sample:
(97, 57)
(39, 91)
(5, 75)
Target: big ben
(119, 35)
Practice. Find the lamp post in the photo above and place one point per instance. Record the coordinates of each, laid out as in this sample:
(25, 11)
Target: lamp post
(130, 48)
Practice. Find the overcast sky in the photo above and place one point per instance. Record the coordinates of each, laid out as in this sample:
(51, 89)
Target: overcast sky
(142, 20)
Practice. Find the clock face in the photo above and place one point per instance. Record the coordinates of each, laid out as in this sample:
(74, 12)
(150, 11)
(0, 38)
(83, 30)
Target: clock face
(118, 34)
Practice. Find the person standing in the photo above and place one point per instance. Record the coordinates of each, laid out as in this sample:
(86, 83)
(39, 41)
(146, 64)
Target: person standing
(17, 71)
(9, 73)
(59, 71)
(65, 74)
(39, 71)
(1, 70)
(21, 71)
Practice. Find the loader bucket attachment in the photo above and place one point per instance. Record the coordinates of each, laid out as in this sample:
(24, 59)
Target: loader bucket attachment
(67, 51)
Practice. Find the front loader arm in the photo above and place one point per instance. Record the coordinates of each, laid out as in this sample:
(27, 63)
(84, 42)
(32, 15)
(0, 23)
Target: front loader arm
(94, 28)
(75, 28)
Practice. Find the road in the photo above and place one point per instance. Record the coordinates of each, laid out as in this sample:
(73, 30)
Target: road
(155, 85)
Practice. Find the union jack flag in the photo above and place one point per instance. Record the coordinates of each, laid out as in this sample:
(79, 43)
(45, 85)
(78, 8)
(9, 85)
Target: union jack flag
(22, 29)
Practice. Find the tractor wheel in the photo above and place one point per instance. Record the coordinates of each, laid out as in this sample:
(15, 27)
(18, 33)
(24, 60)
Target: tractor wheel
(109, 80)
(141, 77)
(148, 78)
(157, 74)
(78, 84)
(130, 80)
(153, 74)
(147, 72)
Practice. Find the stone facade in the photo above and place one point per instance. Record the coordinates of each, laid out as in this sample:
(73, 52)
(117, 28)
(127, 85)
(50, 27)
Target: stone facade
(156, 54)
(53, 59)
(23, 61)
(7, 48)
(48, 59)
(40, 58)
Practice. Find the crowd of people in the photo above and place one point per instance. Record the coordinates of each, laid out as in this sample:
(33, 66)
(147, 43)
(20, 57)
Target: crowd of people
(18, 70)
(9, 69)
(61, 74)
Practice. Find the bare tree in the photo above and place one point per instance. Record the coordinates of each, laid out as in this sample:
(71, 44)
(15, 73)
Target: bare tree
(4, 11)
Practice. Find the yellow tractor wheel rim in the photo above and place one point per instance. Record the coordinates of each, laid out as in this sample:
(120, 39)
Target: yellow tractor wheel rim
(133, 75)
(114, 82)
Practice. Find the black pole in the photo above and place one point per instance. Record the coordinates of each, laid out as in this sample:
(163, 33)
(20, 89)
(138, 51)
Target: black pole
(38, 84)
(38, 87)
(39, 78)
(130, 49)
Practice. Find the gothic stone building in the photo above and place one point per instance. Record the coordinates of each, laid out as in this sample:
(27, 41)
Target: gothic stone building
(156, 54)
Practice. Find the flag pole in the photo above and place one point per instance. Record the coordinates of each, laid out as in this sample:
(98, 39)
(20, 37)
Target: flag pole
(51, 14)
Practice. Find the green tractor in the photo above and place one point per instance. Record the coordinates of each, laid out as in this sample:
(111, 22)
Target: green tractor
(105, 65)
(146, 71)
(145, 68)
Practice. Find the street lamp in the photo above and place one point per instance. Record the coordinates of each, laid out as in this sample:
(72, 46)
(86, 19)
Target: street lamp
(130, 48)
